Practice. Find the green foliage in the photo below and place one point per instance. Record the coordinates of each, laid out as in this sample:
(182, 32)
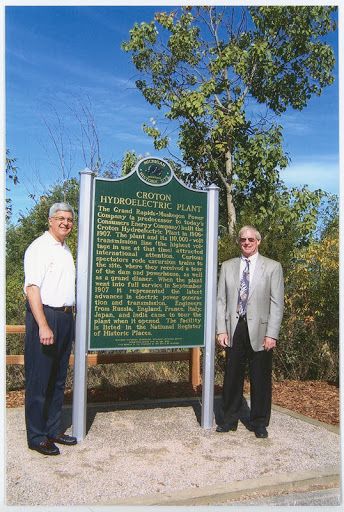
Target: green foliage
(129, 162)
(19, 237)
(296, 63)
(302, 234)
(289, 221)
(227, 248)
(15, 299)
(209, 67)
(15, 376)
(309, 346)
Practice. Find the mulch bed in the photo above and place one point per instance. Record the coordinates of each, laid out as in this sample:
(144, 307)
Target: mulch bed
(317, 399)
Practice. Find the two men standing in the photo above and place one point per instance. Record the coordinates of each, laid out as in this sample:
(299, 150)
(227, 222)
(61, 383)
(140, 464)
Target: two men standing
(249, 315)
(50, 290)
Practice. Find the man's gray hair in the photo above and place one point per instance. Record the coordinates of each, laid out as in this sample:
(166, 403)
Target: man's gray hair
(60, 207)
(245, 228)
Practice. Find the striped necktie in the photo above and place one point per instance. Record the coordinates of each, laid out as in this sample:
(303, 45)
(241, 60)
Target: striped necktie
(243, 290)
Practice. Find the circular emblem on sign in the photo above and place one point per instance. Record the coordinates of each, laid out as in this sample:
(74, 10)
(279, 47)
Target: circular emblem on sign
(154, 171)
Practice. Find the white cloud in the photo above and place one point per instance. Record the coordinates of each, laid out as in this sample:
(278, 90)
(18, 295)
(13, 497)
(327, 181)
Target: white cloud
(322, 172)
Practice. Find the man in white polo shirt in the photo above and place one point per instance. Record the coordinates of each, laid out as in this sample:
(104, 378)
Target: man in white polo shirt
(50, 290)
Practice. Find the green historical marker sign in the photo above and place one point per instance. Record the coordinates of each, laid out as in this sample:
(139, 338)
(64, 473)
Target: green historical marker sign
(148, 261)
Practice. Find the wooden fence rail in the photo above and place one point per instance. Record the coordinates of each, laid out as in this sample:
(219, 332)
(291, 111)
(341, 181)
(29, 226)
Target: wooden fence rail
(192, 355)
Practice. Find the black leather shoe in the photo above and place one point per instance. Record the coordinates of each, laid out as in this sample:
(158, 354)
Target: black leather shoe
(261, 432)
(64, 439)
(46, 447)
(226, 427)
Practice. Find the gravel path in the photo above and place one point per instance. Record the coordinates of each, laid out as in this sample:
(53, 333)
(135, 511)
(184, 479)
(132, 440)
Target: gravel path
(158, 447)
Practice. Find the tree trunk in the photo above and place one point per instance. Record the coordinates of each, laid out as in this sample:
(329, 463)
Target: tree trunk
(229, 192)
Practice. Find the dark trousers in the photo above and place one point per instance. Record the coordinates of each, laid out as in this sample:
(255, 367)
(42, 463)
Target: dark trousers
(260, 365)
(45, 372)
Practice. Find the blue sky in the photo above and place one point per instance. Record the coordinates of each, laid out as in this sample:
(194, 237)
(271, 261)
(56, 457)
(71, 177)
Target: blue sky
(54, 52)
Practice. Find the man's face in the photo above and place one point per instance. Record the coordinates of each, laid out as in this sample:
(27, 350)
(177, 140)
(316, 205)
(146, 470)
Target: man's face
(249, 243)
(61, 225)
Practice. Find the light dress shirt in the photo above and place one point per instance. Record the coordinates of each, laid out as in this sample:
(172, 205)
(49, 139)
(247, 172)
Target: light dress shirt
(49, 265)
(252, 265)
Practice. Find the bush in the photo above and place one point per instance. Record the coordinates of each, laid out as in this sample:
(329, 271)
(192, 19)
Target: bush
(309, 341)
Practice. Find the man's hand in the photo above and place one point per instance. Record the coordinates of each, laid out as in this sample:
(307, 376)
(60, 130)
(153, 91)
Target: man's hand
(46, 335)
(222, 339)
(269, 343)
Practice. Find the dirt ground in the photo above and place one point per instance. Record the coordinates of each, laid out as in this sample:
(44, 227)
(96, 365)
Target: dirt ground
(316, 399)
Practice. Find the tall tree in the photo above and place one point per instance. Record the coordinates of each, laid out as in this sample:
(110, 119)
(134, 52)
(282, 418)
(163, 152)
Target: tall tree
(213, 68)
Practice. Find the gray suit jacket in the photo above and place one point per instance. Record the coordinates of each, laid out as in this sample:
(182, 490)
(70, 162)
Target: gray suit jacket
(265, 300)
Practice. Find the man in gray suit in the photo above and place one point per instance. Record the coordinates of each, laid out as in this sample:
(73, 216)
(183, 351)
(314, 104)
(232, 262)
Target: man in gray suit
(249, 315)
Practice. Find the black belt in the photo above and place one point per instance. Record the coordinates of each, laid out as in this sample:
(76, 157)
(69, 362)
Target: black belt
(242, 318)
(65, 309)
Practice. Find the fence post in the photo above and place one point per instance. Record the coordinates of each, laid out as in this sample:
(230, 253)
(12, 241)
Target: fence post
(81, 324)
(194, 366)
(210, 309)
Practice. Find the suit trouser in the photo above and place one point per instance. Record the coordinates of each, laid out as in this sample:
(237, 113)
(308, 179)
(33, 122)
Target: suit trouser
(260, 365)
(46, 371)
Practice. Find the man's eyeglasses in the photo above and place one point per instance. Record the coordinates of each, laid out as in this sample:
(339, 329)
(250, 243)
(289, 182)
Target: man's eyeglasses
(63, 219)
(242, 240)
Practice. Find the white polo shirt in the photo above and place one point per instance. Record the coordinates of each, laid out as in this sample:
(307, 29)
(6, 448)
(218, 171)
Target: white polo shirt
(49, 265)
